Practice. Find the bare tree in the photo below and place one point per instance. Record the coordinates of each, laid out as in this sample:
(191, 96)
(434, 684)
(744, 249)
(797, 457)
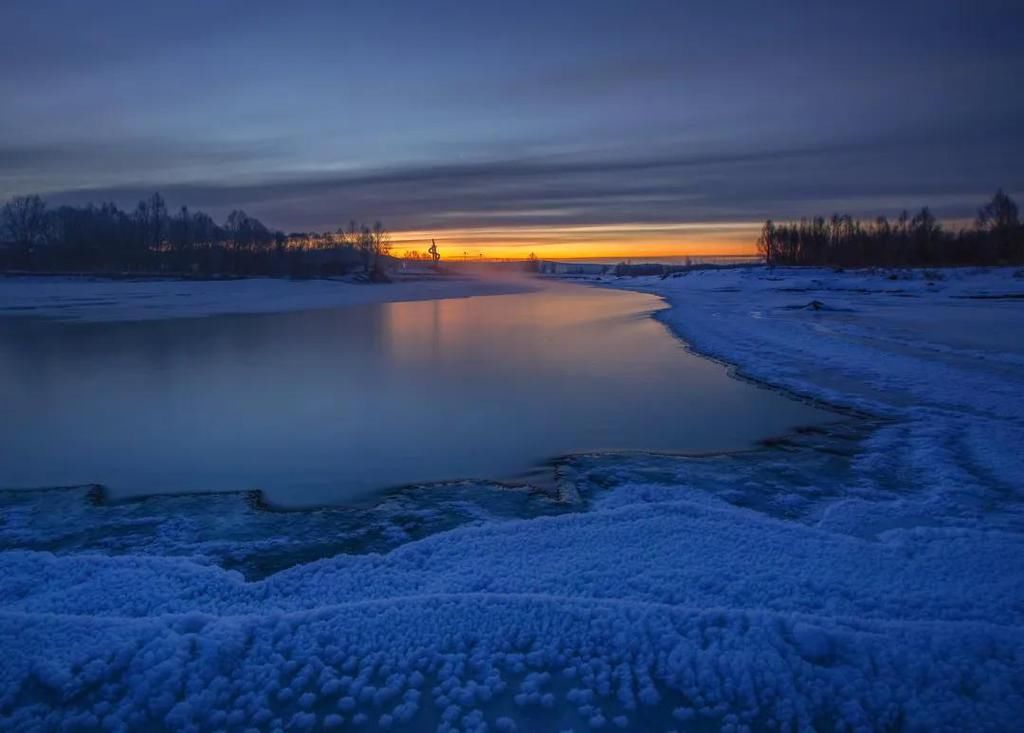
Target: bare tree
(363, 242)
(23, 221)
(181, 230)
(1000, 221)
(237, 228)
(204, 229)
(151, 218)
(1000, 214)
(766, 243)
(381, 239)
(372, 245)
(914, 241)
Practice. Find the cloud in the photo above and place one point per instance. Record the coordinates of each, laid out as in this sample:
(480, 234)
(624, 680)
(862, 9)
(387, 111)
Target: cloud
(578, 189)
(102, 165)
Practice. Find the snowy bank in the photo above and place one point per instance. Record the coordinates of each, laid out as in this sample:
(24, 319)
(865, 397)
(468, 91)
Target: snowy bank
(100, 299)
(939, 352)
(869, 577)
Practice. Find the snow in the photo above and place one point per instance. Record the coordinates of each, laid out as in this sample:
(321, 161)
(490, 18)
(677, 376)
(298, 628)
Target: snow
(99, 299)
(939, 353)
(864, 576)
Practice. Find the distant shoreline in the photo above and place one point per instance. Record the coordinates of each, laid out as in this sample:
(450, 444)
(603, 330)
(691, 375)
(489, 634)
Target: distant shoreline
(91, 298)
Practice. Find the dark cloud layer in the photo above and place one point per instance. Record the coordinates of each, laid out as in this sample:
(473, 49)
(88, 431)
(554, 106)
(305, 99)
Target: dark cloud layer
(864, 178)
(493, 115)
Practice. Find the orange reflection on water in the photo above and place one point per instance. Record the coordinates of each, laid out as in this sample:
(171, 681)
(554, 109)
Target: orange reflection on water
(542, 335)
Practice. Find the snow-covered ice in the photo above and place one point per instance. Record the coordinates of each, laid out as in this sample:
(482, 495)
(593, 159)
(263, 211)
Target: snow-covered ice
(940, 353)
(864, 576)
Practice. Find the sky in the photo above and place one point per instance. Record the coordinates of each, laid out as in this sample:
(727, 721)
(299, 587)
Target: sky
(569, 128)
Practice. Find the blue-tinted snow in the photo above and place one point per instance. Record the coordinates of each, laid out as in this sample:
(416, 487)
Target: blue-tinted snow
(868, 576)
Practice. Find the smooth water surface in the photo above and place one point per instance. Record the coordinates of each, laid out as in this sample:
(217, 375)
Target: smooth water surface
(326, 406)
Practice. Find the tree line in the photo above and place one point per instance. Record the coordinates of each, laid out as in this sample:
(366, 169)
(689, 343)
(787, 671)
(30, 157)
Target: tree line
(150, 239)
(996, 238)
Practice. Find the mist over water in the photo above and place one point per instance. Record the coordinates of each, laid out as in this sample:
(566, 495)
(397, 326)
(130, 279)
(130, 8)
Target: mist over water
(332, 406)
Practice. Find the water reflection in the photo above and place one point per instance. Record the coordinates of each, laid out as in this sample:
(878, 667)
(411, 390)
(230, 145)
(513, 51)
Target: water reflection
(329, 406)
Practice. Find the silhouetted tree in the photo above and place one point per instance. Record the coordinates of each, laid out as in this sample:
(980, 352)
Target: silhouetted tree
(999, 219)
(999, 214)
(104, 238)
(182, 235)
(151, 218)
(363, 242)
(381, 239)
(24, 222)
(204, 229)
(918, 240)
(767, 242)
(373, 245)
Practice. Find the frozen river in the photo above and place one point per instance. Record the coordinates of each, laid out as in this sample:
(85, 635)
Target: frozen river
(328, 406)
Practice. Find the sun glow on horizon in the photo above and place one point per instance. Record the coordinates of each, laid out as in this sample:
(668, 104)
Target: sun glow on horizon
(626, 240)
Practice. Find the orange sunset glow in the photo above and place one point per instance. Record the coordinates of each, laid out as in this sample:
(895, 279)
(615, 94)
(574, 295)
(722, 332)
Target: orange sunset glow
(584, 241)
